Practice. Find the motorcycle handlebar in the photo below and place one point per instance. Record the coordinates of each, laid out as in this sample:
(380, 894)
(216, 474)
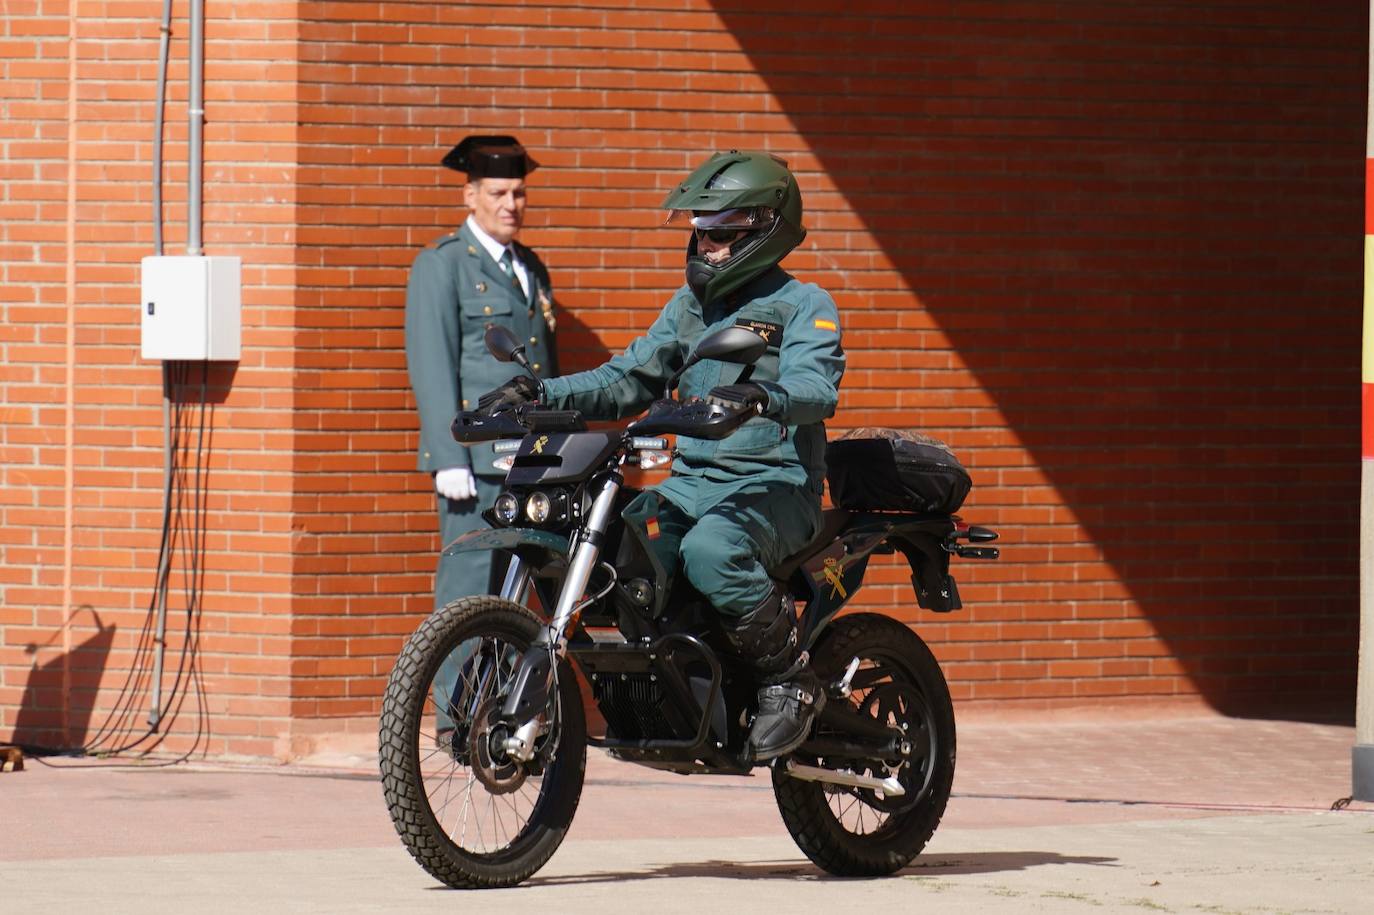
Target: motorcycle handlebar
(694, 418)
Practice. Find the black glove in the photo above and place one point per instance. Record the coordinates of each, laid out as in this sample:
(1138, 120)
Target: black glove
(513, 393)
(739, 396)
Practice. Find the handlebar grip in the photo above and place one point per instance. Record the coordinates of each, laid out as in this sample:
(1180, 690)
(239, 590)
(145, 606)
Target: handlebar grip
(553, 420)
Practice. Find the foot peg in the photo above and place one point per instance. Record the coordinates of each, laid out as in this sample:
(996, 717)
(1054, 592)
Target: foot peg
(840, 689)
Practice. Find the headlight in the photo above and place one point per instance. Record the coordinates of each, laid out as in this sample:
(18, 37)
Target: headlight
(538, 507)
(507, 508)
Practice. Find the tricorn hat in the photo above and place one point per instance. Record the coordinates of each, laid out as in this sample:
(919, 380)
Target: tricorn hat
(490, 157)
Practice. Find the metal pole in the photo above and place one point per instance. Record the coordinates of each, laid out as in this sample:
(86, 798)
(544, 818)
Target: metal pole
(1362, 754)
(159, 114)
(195, 115)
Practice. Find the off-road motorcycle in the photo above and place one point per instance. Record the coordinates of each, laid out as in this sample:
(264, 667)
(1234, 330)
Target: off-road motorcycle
(483, 791)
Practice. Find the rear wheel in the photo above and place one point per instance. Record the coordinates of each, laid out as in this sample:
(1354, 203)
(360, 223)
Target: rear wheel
(858, 832)
(470, 814)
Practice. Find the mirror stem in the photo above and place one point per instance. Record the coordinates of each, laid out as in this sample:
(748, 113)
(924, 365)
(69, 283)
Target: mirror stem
(673, 378)
(520, 360)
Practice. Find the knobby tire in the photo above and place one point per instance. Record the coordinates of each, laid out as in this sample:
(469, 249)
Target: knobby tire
(806, 806)
(402, 755)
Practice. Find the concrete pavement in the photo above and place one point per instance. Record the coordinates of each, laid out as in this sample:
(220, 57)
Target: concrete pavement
(1196, 814)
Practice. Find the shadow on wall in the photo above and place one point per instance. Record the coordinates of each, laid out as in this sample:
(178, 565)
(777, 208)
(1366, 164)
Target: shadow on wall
(1137, 231)
(60, 694)
(579, 348)
(63, 690)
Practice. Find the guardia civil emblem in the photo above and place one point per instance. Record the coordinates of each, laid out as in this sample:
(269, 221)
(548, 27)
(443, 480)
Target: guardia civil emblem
(833, 572)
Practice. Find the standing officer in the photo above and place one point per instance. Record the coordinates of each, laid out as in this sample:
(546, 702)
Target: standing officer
(747, 502)
(467, 280)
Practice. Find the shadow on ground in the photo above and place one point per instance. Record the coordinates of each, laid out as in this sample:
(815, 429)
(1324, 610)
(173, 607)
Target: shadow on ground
(939, 866)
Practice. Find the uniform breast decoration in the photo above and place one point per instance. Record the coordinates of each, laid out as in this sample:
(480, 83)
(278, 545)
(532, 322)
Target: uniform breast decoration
(546, 305)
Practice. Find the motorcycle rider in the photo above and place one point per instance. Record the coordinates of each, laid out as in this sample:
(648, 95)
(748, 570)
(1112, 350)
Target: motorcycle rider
(745, 503)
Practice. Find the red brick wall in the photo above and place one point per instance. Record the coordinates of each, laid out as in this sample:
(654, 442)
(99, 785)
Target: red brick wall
(1110, 252)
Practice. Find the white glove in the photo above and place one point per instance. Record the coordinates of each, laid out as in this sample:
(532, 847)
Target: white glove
(455, 483)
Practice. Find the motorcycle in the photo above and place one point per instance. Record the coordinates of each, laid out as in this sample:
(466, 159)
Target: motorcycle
(483, 735)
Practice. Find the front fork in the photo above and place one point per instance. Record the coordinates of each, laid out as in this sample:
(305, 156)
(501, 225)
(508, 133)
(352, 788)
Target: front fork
(534, 679)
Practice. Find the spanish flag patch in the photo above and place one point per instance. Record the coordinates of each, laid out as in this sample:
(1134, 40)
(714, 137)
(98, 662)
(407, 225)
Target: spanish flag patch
(651, 528)
(823, 324)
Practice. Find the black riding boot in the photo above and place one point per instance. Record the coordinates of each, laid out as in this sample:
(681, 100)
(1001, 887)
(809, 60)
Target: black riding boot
(791, 695)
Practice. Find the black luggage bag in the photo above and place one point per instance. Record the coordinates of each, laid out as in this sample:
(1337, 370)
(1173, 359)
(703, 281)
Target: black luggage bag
(894, 470)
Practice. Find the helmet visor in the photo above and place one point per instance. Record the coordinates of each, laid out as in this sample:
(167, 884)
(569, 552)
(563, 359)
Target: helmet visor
(748, 218)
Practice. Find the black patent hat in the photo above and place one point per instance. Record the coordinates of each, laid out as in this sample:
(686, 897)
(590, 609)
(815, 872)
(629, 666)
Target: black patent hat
(490, 157)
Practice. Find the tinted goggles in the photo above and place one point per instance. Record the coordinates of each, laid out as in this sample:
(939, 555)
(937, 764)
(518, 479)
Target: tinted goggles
(722, 235)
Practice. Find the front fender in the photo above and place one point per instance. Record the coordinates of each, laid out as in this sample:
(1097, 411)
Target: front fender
(540, 548)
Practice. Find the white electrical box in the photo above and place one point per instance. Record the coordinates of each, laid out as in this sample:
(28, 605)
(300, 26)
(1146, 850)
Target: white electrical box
(191, 307)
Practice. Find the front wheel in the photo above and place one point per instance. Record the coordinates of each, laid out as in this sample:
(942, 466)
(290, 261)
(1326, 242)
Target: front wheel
(471, 815)
(857, 832)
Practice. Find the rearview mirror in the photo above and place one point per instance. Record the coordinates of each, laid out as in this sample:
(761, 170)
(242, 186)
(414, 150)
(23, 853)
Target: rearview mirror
(736, 344)
(506, 347)
(502, 344)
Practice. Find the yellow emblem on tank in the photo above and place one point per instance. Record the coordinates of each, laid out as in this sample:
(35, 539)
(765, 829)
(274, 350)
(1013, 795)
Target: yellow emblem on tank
(539, 444)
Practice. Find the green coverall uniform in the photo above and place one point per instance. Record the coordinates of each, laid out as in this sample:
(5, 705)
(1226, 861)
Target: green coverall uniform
(753, 498)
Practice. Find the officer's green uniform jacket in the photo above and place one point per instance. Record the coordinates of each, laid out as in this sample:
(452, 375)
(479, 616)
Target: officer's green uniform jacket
(752, 498)
(455, 291)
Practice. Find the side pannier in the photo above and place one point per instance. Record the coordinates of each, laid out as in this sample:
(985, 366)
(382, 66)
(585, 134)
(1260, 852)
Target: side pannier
(894, 470)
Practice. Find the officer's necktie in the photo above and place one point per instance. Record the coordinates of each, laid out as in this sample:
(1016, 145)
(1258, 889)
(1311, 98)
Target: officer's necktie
(508, 267)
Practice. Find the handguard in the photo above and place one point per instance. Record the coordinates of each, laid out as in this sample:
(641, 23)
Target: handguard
(471, 427)
(694, 418)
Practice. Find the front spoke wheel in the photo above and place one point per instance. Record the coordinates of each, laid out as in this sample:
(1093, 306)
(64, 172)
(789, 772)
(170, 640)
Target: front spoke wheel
(470, 813)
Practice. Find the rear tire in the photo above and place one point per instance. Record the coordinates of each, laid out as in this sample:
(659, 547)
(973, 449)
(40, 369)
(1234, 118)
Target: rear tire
(472, 817)
(853, 832)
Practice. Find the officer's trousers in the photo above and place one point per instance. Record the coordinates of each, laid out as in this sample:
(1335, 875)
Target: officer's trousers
(732, 533)
(466, 573)
(461, 575)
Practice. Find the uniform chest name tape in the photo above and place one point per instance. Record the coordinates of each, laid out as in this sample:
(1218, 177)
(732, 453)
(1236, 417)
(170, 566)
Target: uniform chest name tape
(769, 331)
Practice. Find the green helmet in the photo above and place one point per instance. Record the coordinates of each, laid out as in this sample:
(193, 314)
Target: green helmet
(751, 192)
